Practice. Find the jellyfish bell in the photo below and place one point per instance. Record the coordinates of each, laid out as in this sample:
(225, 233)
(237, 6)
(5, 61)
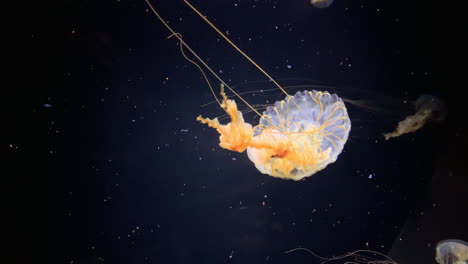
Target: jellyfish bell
(321, 3)
(311, 129)
(433, 105)
(452, 251)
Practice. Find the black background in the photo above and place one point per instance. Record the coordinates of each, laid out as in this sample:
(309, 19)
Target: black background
(115, 179)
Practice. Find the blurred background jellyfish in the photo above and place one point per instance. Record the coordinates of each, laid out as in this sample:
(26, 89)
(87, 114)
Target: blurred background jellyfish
(321, 3)
(428, 108)
(452, 251)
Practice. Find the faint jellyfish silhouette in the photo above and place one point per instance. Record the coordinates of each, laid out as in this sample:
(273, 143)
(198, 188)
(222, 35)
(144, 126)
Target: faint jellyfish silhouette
(428, 108)
(452, 251)
(321, 3)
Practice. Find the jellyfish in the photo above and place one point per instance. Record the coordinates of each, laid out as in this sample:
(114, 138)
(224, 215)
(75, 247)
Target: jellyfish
(295, 138)
(428, 108)
(452, 251)
(321, 3)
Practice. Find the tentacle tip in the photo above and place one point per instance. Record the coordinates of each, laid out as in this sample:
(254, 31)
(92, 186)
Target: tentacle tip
(201, 119)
